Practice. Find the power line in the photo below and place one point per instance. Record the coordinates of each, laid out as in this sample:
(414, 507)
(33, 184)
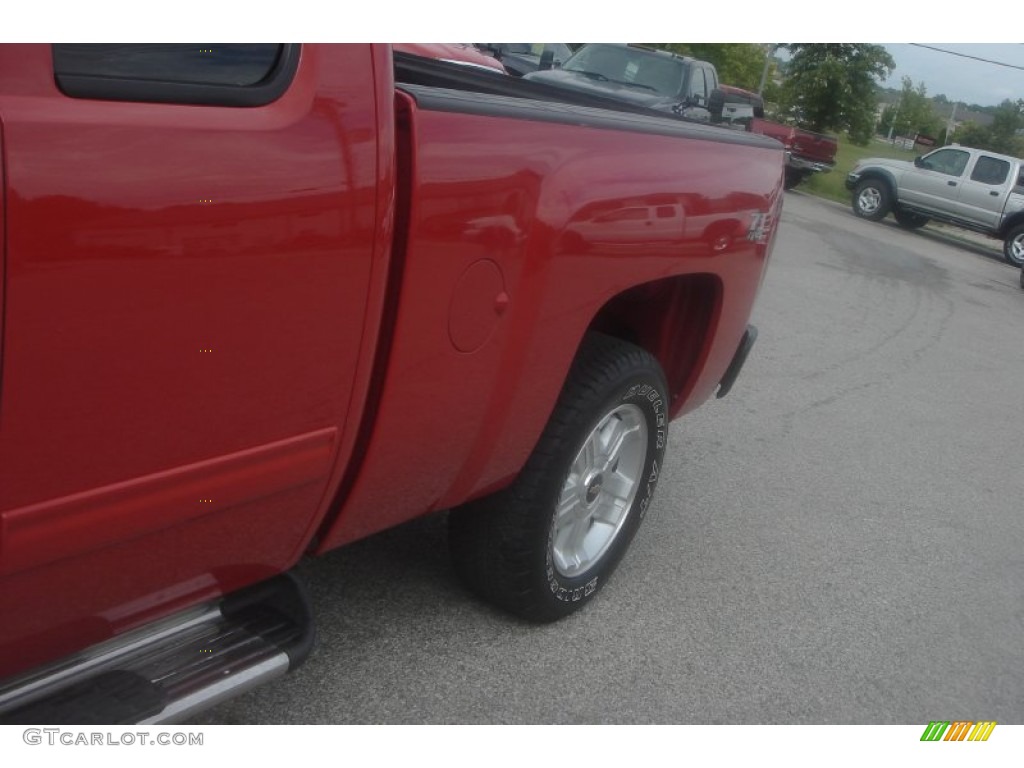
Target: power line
(968, 56)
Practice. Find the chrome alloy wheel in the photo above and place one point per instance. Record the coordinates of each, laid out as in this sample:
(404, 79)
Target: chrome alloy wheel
(1016, 249)
(869, 200)
(599, 491)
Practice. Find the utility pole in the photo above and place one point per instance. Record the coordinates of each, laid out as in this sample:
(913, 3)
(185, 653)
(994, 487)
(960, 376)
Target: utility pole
(895, 117)
(768, 55)
(951, 125)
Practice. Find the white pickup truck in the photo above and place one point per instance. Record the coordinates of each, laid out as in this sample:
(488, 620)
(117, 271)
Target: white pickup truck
(969, 188)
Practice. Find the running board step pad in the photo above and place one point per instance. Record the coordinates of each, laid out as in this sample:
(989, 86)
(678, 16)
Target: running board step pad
(166, 672)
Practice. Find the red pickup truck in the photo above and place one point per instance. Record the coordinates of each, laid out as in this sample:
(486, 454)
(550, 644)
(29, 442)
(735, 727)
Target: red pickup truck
(809, 152)
(260, 301)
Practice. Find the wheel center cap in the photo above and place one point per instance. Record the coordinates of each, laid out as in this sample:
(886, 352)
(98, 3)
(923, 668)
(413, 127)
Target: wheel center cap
(594, 488)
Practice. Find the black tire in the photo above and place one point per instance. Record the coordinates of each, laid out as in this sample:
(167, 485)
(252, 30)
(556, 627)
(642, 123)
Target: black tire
(872, 199)
(716, 104)
(793, 178)
(511, 548)
(909, 220)
(1013, 246)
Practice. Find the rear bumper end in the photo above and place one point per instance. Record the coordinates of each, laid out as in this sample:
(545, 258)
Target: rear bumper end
(733, 371)
(804, 164)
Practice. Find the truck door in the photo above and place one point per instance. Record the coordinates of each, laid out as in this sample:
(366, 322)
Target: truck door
(983, 193)
(3, 266)
(935, 184)
(189, 240)
(698, 92)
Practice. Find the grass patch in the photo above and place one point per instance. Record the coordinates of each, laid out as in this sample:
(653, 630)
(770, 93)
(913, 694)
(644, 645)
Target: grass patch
(832, 185)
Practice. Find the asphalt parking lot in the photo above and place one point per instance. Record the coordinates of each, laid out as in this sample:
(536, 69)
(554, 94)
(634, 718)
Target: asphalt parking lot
(838, 541)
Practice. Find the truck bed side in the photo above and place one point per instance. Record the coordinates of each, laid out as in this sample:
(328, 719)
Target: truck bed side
(530, 223)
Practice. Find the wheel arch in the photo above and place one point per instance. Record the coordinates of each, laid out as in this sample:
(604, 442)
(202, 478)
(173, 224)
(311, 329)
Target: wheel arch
(1012, 221)
(884, 176)
(673, 319)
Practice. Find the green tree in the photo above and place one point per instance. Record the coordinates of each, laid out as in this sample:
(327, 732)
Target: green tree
(888, 119)
(1007, 120)
(912, 114)
(831, 86)
(1001, 136)
(738, 64)
(971, 134)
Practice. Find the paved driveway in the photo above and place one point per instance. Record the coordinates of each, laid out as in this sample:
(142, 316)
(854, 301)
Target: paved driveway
(838, 541)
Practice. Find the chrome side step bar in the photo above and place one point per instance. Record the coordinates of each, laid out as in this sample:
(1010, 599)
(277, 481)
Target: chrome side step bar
(168, 671)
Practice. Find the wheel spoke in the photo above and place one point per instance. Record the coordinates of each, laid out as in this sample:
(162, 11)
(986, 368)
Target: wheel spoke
(579, 538)
(618, 486)
(590, 452)
(578, 468)
(567, 506)
(570, 548)
(599, 491)
(623, 434)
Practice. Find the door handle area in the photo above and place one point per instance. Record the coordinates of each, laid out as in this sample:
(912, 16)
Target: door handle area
(994, 193)
(951, 183)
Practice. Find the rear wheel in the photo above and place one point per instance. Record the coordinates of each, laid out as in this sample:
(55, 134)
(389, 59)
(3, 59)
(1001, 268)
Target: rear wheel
(1013, 246)
(544, 547)
(792, 178)
(872, 199)
(909, 220)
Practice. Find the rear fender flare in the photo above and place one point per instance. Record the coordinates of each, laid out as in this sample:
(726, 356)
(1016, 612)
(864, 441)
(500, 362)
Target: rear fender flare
(1011, 221)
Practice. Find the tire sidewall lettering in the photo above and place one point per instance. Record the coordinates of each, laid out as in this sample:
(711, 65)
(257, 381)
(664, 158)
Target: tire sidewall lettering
(650, 399)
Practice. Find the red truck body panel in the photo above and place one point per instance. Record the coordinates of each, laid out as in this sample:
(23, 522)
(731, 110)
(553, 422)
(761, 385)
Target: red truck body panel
(815, 147)
(778, 131)
(232, 335)
(534, 223)
(186, 296)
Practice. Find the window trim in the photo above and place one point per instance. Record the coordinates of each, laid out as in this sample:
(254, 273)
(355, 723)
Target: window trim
(267, 90)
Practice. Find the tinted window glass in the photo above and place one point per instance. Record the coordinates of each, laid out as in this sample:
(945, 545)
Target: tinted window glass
(949, 161)
(989, 170)
(235, 64)
(697, 86)
(561, 50)
(629, 66)
(712, 79)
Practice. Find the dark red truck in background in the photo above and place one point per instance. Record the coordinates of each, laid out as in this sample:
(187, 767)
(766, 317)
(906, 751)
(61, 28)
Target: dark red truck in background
(808, 152)
(260, 301)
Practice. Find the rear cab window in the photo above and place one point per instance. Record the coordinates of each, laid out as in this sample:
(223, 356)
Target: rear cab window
(225, 74)
(990, 170)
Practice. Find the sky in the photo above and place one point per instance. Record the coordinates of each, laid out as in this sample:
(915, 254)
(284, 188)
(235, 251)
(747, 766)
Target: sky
(748, 21)
(961, 79)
